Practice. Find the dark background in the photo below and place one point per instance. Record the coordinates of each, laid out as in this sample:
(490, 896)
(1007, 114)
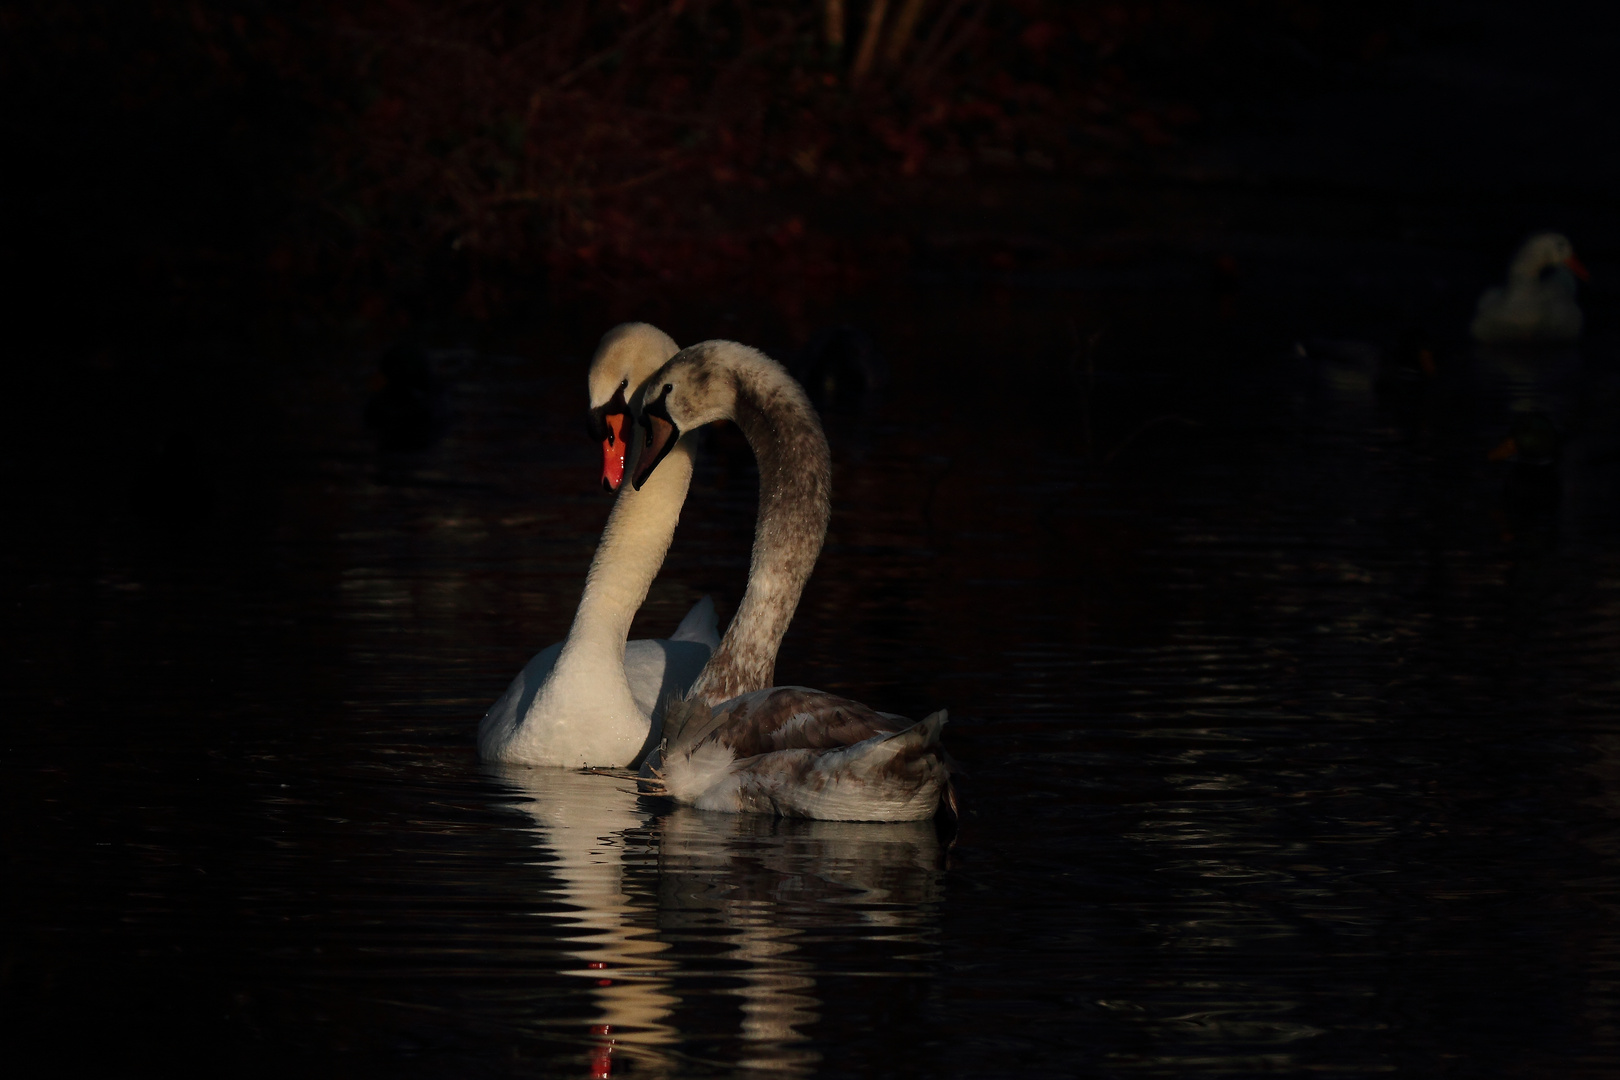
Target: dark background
(202, 195)
(185, 170)
(1086, 236)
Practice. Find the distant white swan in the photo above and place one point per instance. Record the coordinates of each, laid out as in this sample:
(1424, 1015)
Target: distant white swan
(738, 743)
(594, 699)
(1538, 302)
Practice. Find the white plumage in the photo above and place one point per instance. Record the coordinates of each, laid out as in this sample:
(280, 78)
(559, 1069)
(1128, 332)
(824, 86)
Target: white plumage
(594, 699)
(1538, 302)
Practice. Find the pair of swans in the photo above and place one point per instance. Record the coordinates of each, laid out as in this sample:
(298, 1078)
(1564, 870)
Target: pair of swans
(732, 741)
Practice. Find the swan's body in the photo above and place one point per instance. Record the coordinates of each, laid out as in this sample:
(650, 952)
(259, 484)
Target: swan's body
(582, 718)
(737, 743)
(1538, 302)
(594, 699)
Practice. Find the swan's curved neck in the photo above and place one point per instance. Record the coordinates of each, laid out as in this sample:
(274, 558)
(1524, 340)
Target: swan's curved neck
(633, 545)
(795, 487)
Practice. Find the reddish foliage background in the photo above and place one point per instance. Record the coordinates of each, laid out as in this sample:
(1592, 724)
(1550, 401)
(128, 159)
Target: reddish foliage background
(401, 157)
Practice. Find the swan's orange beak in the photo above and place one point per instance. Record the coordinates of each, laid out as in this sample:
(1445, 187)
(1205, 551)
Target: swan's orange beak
(1506, 450)
(1578, 268)
(613, 448)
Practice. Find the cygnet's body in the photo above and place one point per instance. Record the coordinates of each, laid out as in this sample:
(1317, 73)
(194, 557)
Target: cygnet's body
(595, 699)
(736, 742)
(1538, 302)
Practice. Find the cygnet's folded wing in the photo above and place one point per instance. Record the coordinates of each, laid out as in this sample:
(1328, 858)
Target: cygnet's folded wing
(798, 718)
(896, 776)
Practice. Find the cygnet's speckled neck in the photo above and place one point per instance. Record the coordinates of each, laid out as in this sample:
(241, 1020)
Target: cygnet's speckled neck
(795, 488)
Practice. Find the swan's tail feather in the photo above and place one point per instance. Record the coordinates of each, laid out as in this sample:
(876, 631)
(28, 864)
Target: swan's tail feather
(918, 739)
(700, 625)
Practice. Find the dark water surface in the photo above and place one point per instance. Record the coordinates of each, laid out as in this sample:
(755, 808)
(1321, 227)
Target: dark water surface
(1291, 725)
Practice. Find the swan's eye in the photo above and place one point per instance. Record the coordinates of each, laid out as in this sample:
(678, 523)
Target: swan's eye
(668, 387)
(624, 383)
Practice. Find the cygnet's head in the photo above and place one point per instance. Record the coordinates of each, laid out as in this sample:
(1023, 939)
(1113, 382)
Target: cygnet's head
(628, 355)
(686, 393)
(1543, 251)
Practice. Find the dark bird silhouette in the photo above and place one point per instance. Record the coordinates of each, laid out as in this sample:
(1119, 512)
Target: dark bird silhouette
(1402, 375)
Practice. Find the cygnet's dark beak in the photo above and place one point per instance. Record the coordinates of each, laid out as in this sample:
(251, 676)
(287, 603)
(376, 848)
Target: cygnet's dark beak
(661, 435)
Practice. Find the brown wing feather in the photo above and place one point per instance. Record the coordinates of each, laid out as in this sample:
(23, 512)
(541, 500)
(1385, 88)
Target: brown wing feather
(794, 718)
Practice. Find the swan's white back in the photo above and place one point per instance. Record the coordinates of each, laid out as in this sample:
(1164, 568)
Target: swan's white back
(700, 625)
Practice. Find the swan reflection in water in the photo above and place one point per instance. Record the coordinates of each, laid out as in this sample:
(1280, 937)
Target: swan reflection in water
(640, 883)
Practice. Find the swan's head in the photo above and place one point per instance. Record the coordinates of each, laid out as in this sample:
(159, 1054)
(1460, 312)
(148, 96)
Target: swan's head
(628, 355)
(1543, 252)
(691, 390)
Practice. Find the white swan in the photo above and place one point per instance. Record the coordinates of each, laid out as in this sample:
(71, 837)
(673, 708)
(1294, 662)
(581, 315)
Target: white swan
(1538, 302)
(736, 742)
(593, 699)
